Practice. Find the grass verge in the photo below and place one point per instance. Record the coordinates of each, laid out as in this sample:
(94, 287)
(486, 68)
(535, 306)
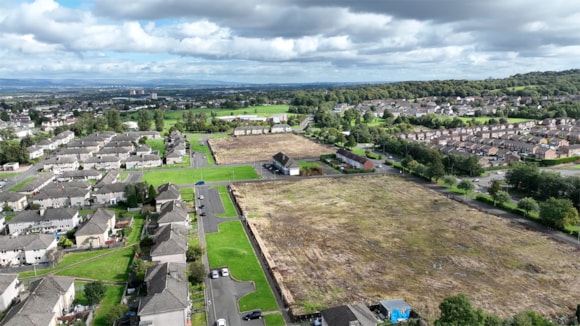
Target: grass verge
(230, 209)
(274, 320)
(231, 247)
(190, 176)
(22, 184)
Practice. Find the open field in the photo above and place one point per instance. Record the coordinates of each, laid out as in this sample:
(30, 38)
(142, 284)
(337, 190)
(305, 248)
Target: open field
(113, 267)
(191, 176)
(333, 241)
(243, 149)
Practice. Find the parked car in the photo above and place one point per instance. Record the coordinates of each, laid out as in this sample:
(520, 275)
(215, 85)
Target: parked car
(215, 273)
(202, 214)
(317, 322)
(201, 197)
(201, 206)
(220, 322)
(256, 314)
(225, 271)
(200, 183)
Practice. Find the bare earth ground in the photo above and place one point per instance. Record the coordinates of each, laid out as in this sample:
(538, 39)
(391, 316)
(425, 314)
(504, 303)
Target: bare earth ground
(335, 241)
(244, 149)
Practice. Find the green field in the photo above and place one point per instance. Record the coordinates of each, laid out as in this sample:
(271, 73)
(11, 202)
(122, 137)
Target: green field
(67, 260)
(22, 184)
(230, 209)
(191, 176)
(157, 145)
(263, 110)
(113, 267)
(112, 298)
(231, 247)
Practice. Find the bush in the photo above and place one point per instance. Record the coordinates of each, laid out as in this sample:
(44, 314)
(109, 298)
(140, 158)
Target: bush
(194, 252)
(116, 312)
(127, 231)
(196, 273)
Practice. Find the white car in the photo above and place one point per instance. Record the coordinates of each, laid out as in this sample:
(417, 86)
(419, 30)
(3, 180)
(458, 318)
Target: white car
(225, 271)
(220, 322)
(215, 273)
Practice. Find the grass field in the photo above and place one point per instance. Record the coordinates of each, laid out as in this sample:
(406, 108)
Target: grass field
(22, 184)
(363, 239)
(230, 210)
(113, 267)
(67, 260)
(231, 247)
(303, 164)
(190, 176)
(157, 145)
(262, 111)
(261, 148)
(112, 298)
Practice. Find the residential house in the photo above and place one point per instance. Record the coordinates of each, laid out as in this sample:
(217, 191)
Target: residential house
(546, 153)
(10, 288)
(280, 128)
(149, 134)
(173, 212)
(48, 144)
(122, 153)
(93, 146)
(43, 180)
(59, 164)
(286, 164)
(167, 301)
(120, 144)
(16, 201)
(143, 161)
(26, 249)
(46, 300)
(173, 157)
(102, 163)
(49, 220)
(110, 194)
(348, 315)
(251, 130)
(109, 178)
(65, 137)
(79, 154)
(62, 195)
(354, 160)
(143, 150)
(79, 175)
(572, 150)
(35, 152)
(170, 244)
(165, 193)
(95, 232)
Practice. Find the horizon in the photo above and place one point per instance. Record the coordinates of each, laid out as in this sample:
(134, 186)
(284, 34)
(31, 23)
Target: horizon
(285, 41)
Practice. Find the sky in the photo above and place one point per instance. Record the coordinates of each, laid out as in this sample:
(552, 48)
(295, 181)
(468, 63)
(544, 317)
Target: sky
(287, 41)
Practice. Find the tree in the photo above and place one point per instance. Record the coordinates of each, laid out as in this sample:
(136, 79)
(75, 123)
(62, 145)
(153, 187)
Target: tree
(94, 292)
(131, 194)
(159, 118)
(139, 269)
(351, 142)
(494, 188)
(436, 169)
(558, 212)
(194, 252)
(529, 318)
(144, 120)
(196, 272)
(449, 180)
(368, 117)
(457, 311)
(151, 194)
(115, 312)
(528, 204)
(466, 186)
(501, 197)
(114, 120)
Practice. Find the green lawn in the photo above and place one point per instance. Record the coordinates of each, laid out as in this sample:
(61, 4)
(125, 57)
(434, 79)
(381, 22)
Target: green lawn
(8, 174)
(186, 163)
(187, 194)
(67, 260)
(230, 209)
(135, 236)
(308, 164)
(198, 319)
(261, 110)
(22, 184)
(231, 247)
(80, 297)
(157, 145)
(190, 176)
(274, 320)
(112, 298)
(358, 151)
(113, 267)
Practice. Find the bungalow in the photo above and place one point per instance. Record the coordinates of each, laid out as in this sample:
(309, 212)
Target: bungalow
(356, 161)
(285, 164)
(166, 193)
(26, 249)
(167, 301)
(143, 161)
(358, 314)
(170, 244)
(10, 288)
(34, 152)
(102, 163)
(95, 232)
(173, 212)
(49, 220)
(16, 201)
(110, 194)
(280, 128)
(59, 164)
(46, 300)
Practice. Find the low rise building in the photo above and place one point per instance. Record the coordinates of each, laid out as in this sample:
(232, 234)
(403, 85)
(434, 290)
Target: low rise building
(50, 220)
(26, 249)
(170, 244)
(96, 230)
(143, 161)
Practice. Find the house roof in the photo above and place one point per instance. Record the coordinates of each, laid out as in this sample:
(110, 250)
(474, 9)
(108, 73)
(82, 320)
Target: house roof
(59, 213)
(285, 160)
(143, 158)
(115, 150)
(102, 159)
(172, 153)
(168, 191)
(80, 173)
(10, 197)
(172, 211)
(111, 188)
(170, 239)
(6, 280)
(74, 151)
(395, 304)
(60, 160)
(166, 288)
(54, 193)
(36, 310)
(144, 148)
(352, 156)
(27, 241)
(97, 224)
(108, 178)
(338, 316)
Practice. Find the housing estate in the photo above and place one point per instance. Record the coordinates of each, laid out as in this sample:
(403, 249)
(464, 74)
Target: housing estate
(96, 230)
(26, 249)
(165, 193)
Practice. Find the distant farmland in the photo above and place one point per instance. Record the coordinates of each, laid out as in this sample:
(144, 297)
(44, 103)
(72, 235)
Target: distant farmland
(334, 241)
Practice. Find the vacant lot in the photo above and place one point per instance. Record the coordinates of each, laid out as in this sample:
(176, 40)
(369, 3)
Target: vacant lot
(362, 239)
(243, 149)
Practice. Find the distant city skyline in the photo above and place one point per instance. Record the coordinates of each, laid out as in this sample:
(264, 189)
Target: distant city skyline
(286, 41)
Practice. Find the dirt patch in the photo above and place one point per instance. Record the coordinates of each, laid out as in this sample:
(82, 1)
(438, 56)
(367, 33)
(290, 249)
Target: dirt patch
(335, 241)
(258, 148)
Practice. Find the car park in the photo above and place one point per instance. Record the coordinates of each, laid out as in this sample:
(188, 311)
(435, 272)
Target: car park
(225, 271)
(256, 314)
(215, 273)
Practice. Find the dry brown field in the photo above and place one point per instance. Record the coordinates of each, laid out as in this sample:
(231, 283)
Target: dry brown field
(244, 149)
(333, 241)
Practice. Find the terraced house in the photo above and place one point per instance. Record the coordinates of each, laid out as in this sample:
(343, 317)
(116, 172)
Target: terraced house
(50, 220)
(26, 249)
